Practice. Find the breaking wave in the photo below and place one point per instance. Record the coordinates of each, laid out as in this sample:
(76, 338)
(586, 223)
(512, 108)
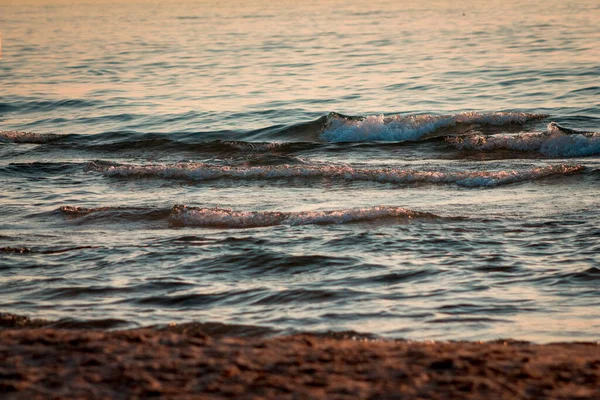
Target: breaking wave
(412, 127)
(181, 215)
(202, 172)
(557, 141)
(226, 218)
(332, 128)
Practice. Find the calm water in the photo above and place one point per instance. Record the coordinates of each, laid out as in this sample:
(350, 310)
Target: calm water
(425, 170)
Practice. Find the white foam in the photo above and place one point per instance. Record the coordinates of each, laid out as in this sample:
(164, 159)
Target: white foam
(253, 147)
(79, 211)
(399, 128)
(556, 142)
(497, 178)
(226, 218)
(27, 137)
(200, 172)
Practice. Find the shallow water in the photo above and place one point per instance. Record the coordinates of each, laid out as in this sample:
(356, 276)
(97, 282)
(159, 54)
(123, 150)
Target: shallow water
(420, 170)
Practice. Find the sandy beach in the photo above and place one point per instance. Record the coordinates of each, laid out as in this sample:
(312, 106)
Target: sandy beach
(184, 362)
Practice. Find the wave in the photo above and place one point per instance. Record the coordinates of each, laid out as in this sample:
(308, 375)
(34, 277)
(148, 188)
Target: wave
(202, 172)
(175, 142)
(114, 213)
(28, 137)
(557, 141)
(37, 169)
(11, 321)
(16, 250)
(400, 128)
(226, 218)
(182, 215)
(554, 127)
(217, 329)
(77, 211)
(27, 250)
(192, 329)
(330, 128)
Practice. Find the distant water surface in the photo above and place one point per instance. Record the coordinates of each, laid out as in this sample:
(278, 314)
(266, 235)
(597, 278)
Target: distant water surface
(423, 170)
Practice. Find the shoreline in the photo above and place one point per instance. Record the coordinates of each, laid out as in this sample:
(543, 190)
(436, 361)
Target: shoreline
(43, 362)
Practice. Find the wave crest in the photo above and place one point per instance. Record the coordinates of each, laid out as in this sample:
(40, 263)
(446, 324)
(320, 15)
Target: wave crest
(201, 172)
(557, 141)
(227, 218)
(400, 128)
(28, 137)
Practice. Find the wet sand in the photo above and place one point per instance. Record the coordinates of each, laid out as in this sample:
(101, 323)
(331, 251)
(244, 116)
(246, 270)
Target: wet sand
(185, 362)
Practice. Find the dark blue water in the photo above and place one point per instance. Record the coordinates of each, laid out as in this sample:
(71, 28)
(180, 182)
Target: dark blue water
(416, 170)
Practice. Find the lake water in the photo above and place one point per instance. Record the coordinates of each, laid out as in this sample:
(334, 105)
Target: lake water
(421, 170)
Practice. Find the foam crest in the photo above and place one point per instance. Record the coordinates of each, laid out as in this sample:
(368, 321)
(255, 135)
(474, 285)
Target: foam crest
(554, 127)
(252, 146)
(226, 218)
(201, 172)
(77, 211)
(556, 142)
(497, 178)
(27, 137)
(398, 128)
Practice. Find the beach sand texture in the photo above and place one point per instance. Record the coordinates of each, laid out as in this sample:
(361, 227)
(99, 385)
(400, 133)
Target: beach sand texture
(184, 362)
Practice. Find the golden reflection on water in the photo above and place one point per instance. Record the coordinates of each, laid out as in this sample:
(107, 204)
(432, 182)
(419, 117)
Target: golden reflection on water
(427, 56)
